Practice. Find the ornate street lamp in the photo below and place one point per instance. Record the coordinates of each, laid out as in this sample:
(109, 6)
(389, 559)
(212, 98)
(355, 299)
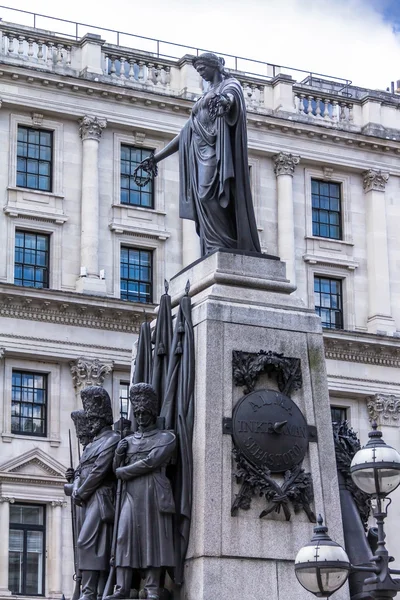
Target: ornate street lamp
(375, 469)
(322, 566)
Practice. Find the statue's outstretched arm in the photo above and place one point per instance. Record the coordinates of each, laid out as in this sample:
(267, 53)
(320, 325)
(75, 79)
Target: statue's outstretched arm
(169, 149)
(149, 165)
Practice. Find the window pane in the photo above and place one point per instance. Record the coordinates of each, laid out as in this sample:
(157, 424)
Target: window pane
(328, 301)
(29, 404)
(37, 146)
(130, 158)
(136, 275)
(15, 561)
(26, 514)
(31, 259)
(26, 549)
(325, 201)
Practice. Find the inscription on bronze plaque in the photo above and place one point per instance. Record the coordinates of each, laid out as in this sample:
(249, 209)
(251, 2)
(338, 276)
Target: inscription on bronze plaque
(270, 430)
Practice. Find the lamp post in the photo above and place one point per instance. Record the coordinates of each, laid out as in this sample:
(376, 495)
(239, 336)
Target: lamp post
(322, 566)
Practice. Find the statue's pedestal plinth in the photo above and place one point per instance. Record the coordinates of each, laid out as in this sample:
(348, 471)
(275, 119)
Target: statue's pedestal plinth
(242, 302)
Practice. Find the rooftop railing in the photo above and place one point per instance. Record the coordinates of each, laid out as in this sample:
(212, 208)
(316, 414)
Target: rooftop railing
(74, 31)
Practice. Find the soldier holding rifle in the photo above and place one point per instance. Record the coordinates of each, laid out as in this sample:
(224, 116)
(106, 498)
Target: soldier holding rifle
(144, 539)
(94, 492)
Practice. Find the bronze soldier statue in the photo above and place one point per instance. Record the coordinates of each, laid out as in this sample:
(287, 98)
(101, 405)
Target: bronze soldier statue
(145, 526)
(72, 476)
(94, 491)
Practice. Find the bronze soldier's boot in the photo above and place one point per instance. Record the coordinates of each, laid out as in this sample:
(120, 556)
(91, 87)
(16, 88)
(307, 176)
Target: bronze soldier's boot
(152, 582)
(123, 587)
(90, 580)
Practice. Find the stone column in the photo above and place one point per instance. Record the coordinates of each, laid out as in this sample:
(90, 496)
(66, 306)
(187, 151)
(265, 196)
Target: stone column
(379, 308)
(5, 529)
(55, 558)
(284, 170)
(89, 282)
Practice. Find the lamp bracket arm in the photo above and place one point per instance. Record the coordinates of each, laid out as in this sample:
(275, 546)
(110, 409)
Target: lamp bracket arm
(372, 568)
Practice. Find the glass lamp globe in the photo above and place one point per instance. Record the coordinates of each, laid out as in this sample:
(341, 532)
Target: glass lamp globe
(322, 566)
(375, 469)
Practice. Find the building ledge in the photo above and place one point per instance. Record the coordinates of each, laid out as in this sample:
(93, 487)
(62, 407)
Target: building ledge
(362, 347)
(68, 308)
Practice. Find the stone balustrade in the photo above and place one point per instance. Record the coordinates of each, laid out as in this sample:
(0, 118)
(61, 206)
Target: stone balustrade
(35, 48)
(314, 100)
(319, 106)
(128, 67)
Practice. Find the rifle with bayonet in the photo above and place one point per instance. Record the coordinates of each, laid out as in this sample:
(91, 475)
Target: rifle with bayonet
(77, 574)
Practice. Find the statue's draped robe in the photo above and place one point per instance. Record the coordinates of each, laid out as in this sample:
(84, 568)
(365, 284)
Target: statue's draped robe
(214, 174)
(145, 528)
(96, 486)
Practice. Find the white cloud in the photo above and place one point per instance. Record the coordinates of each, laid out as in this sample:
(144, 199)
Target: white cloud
(343, 38)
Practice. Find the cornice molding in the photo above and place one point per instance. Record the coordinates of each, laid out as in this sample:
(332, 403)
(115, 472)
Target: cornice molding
(384, 409)
(372, 353)
(67, 308)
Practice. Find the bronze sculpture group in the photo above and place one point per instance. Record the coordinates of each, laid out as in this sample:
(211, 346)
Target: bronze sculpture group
(143, 528)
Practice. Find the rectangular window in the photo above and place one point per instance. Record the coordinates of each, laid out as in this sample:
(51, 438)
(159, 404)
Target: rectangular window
(326, 209)
(31, 268)
(29, 403)
(328, 301)
(26, 550)
(136, 275)
(124, 398)
(34, 158)
(338, 414)
(130, 192)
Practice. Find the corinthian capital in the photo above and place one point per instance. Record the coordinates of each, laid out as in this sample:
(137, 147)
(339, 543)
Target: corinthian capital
(384, 409)
(86, 372)
(91, 128)
(284, 163)
(374, 180)
(2, 352)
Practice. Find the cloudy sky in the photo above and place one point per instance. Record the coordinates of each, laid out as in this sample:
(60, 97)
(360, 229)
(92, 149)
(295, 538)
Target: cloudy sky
(354, 39)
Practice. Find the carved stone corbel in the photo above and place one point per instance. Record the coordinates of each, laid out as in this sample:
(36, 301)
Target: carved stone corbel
(384, 409)
(86, 372)
(374, 180)
(285, 163)
(91, 128)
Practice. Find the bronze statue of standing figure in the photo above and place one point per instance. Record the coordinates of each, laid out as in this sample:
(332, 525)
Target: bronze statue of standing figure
(145, 538)
(94, 492)
(213, 163)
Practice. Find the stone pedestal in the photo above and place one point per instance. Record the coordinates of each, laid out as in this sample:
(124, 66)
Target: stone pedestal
(243, 302)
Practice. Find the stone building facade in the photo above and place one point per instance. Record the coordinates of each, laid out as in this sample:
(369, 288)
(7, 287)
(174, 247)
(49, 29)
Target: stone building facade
(84, 253)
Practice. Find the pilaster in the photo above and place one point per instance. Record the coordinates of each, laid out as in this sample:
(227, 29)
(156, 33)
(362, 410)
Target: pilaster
(284, 166)
(379, 307)
(90, 129)
(55, 558)
(5, 502)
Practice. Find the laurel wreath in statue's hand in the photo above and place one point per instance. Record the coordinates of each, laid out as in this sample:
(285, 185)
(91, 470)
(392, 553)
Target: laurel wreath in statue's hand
(149, 166)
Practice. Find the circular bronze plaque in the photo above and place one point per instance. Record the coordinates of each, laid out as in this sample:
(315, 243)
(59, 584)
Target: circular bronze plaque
(270, 430)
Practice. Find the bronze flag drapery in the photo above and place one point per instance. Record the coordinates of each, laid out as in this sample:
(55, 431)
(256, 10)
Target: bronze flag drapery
(178, 411)
(170, 368)
(162, 344)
